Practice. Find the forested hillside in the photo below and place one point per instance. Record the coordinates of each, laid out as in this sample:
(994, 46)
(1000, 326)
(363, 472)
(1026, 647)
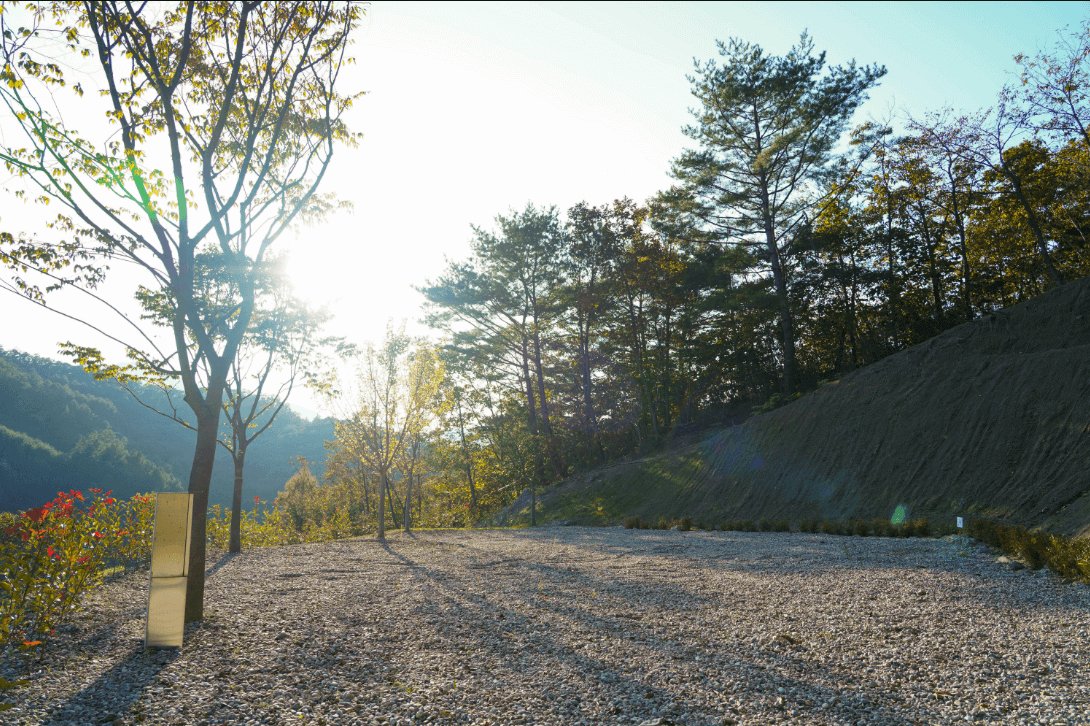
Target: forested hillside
(986, 420)
(798, 246)
(60, 429)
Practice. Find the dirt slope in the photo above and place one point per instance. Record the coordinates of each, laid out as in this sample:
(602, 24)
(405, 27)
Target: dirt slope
(987, 419)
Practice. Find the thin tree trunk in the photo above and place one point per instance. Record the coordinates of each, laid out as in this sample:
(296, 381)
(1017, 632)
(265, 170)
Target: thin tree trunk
(239, 458)
(641, 372)
(853, 330)
(390, 500)
(406, 515)
(469, 466)
(841, 350)
(382, 507)
(543, 403)
(787, 323)
(586, 322)
(1034, 225)
(366, 477)
(540, 471)
(963, 249)
(539, 370)
(667, 419)
(894, 286)
(531, 407)
(894, 293)
(539, 464)
(594, 439)
(200, 478)
(932, 265)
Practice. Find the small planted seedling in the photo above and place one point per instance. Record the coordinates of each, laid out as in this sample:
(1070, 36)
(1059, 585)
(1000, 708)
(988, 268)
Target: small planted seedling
(6, 685)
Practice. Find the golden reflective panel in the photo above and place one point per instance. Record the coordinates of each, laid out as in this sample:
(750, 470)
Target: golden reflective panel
(169, 567)
(166, 612)
(169, 548)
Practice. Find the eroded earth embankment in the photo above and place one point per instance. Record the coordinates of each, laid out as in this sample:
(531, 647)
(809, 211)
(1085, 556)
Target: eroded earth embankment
(987, 419)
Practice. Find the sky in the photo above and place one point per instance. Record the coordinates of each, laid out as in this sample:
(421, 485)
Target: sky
(473, 110)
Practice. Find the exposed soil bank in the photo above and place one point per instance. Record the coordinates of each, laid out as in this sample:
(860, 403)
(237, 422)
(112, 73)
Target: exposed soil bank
(987, 419)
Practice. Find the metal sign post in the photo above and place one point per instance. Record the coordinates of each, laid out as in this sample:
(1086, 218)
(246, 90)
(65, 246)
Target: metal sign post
(169, 570)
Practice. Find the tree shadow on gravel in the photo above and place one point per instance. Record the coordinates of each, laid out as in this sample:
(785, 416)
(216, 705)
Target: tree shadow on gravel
(114, 691)
(909, 560)
(648, 692)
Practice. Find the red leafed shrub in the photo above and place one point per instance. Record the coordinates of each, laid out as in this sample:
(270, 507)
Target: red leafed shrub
(52, 554)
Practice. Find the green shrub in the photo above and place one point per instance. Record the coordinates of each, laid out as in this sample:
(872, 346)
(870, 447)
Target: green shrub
(685, 524)
(808, 525)
(1068, 558)
(781, 525)
(763, 525)
(829, 527)
(860, 527)
(662, 524)
(747, 525)
(700, 525)
(1035, 550)
(882, 528)
(632, 523)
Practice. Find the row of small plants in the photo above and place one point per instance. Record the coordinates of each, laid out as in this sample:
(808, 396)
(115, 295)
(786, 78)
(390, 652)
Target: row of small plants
(863, 528)
(1066, 557)
(51, 555)
(266, 526)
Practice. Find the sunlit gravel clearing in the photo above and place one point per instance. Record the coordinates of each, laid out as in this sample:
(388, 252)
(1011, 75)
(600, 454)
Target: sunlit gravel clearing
(569, 625)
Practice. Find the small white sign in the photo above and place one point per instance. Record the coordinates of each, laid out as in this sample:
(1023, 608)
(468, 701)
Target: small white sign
(960, 523)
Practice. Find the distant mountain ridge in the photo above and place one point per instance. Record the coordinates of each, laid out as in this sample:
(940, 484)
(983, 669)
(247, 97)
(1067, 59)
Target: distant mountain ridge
(61, 429)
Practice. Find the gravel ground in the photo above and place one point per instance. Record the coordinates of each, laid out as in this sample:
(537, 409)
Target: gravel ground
(570, 625)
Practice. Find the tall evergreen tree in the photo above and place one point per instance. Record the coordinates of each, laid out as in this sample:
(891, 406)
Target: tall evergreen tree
(767, 127)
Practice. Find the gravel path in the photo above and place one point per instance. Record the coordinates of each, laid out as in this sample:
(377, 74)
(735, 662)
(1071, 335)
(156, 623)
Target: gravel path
(567, 625)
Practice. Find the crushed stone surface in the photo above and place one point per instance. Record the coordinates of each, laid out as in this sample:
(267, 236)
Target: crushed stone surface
(571, 625)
